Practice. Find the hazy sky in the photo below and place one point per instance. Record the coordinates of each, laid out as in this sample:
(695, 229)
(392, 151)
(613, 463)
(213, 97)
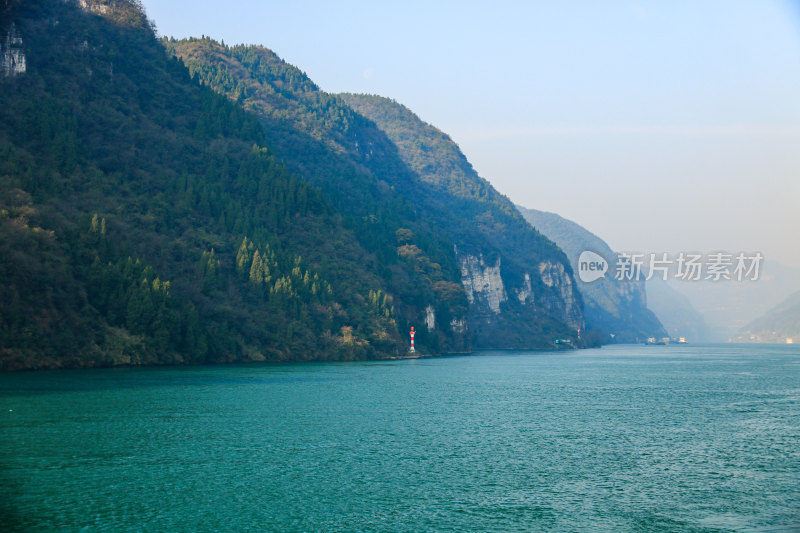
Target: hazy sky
(662, 126)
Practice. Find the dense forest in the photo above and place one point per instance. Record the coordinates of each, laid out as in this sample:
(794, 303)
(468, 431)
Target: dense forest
(356, 167)
(144, 220)
(153, 212)
(325, 136)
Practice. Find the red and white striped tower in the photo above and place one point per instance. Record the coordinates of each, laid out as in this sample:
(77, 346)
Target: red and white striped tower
(412, 333)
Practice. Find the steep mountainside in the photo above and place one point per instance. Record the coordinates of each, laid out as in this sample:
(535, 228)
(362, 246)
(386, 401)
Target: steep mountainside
(428, 151)
(779, 324)
(616, 307)
(143, 219)
(483, 222)
(519, 285)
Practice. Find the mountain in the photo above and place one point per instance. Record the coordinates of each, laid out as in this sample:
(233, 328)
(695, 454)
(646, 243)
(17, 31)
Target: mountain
(147, 219)
(482, 222)
(615, 307)
(730, 305)
(144, 220)
(357, 169)
(779, 324)
(518, 284)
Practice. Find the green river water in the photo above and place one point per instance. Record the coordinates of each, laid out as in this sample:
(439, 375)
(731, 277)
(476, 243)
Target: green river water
(623, 438)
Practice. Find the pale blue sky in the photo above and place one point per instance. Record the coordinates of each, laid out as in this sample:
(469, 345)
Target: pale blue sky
(661, 125)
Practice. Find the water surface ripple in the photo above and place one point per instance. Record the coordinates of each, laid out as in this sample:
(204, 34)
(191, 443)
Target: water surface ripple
(625, 438)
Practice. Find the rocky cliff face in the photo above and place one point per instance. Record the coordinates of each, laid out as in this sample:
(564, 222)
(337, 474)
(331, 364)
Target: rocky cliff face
(525, 293)
(565, 303)
(430, 317)
(616, 307)
(486, 290)
(12, 55)
(92, 6)
(483, 283)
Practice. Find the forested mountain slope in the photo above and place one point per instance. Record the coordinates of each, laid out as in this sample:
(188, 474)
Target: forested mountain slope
(147, 219)
(483, 223)
(518, 283)
(143, 219)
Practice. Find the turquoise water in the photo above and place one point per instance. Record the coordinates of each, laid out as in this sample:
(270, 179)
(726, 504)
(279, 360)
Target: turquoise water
(626, 438)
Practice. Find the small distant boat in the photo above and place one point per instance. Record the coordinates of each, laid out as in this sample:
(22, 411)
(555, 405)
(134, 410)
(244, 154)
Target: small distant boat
(651, 341)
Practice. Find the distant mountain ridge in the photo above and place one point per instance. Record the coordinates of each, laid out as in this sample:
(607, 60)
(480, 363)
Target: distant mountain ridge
(431, 153)
(730, 305)
(616, 307)
(779, 324)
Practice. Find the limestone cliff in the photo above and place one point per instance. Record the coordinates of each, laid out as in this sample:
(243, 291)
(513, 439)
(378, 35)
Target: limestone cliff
(564, 302)
(12, 55)
(483, 283)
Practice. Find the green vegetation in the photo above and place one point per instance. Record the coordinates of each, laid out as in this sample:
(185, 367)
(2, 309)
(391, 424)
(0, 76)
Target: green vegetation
(131, 198)
(481, 221)
(355, 166)
(188, 202)
(362, 151)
